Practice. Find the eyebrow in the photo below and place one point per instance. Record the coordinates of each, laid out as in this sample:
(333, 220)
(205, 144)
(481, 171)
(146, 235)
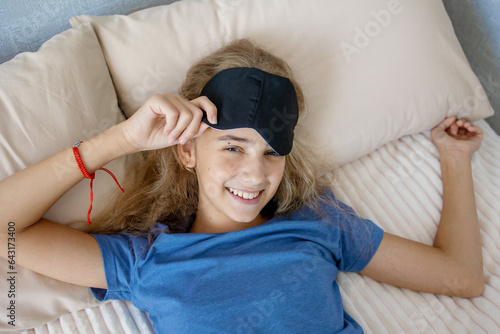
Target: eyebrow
(234, 138)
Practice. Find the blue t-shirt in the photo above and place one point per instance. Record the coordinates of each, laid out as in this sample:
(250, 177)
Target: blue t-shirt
(278, 277)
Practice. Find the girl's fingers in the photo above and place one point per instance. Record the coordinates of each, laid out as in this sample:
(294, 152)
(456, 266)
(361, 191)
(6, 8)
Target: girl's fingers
(193, 127)
(189, 134)
(453, 128)
(445, 124)
(205, 104)
(177, 118)
(169, 109)
(183, 122)
(475, 130)
(471, 127)
(203, 127)
(189, 120)
(185, 116)
(468, 127)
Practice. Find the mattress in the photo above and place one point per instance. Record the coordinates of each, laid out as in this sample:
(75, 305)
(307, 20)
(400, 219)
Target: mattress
(399, 187)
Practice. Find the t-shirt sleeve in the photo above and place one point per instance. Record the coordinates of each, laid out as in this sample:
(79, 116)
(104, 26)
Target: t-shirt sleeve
(120, 253)
(358, 240)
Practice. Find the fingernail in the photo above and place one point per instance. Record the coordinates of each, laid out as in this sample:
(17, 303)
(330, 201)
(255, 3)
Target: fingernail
(183, 141)
(214, 120)
(171, 140)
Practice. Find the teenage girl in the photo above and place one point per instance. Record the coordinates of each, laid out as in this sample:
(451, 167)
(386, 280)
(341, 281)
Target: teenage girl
(228, 231)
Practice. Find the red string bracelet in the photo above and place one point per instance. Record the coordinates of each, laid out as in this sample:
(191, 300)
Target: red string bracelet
(90, 176)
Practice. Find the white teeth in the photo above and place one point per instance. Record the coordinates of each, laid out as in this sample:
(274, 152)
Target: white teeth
(244, 194)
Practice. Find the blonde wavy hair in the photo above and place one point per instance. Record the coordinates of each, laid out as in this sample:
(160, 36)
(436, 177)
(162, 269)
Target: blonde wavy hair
(160, 188)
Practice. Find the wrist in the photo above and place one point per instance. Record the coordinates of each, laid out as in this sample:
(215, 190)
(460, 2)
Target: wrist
(115, 143)
(458, 156)
(102, 149)
(455, 164)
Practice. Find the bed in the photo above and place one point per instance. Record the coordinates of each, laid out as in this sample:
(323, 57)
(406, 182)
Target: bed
(377, 77)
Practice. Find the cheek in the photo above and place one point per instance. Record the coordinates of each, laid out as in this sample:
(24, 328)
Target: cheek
(217, 171)
(275, 174)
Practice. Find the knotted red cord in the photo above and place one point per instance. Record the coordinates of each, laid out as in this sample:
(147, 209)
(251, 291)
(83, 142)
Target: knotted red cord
(90, 176)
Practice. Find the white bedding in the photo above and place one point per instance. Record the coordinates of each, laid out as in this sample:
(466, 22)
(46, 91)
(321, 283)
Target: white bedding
(398, 186)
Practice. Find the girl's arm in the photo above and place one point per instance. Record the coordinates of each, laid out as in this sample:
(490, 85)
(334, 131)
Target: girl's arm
(46, 247)
(453, 264)
(64, 253)
(27, 195)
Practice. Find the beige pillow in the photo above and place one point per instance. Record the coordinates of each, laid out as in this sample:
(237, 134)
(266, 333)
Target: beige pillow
(372, 71)
(48, 101)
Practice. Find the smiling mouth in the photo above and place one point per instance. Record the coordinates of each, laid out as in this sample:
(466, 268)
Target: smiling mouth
(243, 194)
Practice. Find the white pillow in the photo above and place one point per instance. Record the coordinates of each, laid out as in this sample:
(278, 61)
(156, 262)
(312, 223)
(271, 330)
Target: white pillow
(372, 71)
(48, 101)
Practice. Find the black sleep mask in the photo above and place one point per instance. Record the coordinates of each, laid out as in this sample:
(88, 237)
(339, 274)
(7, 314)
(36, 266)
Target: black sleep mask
(247, 97)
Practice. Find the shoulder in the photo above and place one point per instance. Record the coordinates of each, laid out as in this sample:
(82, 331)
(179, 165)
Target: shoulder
(339, 218)
(134, 244)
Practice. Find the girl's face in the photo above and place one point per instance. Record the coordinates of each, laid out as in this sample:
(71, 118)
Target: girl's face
(238, 174)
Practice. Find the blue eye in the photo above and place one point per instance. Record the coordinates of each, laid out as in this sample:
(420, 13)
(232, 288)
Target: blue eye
(232, 149)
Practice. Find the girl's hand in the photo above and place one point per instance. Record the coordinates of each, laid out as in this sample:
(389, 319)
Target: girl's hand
(166, 120)
(456, 137)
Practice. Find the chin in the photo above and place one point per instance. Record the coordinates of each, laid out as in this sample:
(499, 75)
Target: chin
(242, 216)
(245, 219)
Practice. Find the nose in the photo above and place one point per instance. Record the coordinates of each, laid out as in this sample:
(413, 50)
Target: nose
(253, 171)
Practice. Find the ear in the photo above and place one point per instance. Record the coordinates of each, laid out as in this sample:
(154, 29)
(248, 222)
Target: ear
(187, 154)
